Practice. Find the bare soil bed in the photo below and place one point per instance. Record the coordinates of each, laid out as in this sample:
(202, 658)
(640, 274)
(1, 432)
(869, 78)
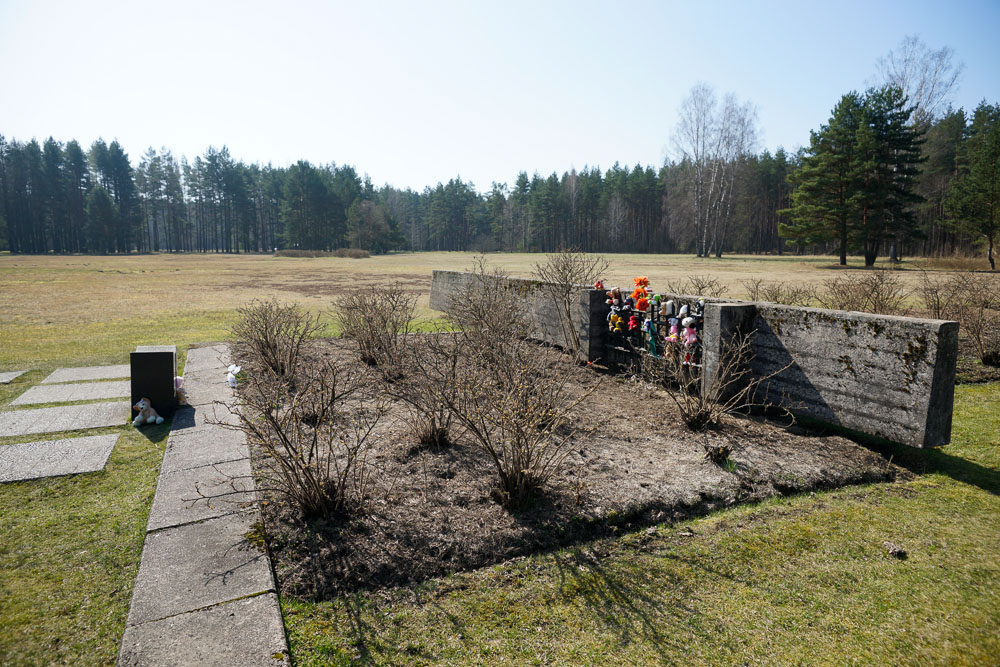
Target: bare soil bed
(631, 462)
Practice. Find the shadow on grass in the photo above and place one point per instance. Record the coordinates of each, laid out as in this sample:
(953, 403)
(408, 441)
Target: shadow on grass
(919, 461)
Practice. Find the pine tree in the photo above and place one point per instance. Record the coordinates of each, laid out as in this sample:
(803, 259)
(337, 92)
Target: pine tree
(973, 202)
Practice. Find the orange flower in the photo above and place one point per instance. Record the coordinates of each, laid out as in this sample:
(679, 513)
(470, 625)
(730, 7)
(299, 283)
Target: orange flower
(641, 281)
(642, 304)
(639, 293)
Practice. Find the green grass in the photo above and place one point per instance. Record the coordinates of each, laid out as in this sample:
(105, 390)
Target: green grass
(801, 580)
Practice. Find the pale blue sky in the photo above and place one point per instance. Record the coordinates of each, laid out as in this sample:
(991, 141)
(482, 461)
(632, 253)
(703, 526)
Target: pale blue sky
(414, 93)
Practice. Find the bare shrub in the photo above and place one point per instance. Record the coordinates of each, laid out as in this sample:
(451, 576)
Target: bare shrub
(352, 253)
(698, 286)
(733, 388)
(881, 292)
(274, 334)
(507, 396)
(430, 388)
(377, 319)
(940, 296)
(976, 305)
(316, 449)
(297, 252)
(778, 291)
(564, 275)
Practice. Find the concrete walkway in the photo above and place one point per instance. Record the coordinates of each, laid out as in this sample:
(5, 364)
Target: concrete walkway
(204, 595)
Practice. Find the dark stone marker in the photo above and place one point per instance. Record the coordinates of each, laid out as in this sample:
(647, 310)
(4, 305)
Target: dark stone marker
(153, 371)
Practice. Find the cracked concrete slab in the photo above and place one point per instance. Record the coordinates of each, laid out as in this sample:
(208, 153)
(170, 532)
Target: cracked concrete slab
(49, 458)
(204, 393)
(196, 494)
(68, 418)
(9, 376)
(203, 446)
(189, 567)
(64, 393)
(242, 632)
(88, 373)
(208, 358)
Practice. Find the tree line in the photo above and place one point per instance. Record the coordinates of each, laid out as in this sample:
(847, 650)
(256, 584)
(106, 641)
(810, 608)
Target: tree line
(892, 171)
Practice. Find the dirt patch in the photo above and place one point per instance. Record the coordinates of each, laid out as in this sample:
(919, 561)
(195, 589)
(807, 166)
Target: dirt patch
(632, 462)
(969, 369)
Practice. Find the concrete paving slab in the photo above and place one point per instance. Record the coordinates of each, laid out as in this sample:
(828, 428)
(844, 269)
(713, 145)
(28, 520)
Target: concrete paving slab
(9, 376)
(33, 460)
(203, 446)
(200, 493)
(189, 567)
(207, 358)
(68, 418)
(188, 417)
(202, 392)
(64, 393)
(243, 632)
(87, 373)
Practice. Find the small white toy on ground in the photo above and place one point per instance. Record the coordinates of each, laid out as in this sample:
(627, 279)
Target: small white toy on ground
(233, 372)
(147, 415)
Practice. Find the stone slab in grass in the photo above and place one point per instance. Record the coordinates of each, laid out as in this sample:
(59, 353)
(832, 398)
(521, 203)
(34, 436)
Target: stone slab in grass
(196, 565)
(33, 460)
(9, 376)
(64, 393)
(87, 373)
(243, 632)
(207, 358)
(200, 493)
(68, 418)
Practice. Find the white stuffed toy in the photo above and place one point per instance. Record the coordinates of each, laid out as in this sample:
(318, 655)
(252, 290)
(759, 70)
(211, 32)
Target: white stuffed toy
(147, 415)
(231, 377)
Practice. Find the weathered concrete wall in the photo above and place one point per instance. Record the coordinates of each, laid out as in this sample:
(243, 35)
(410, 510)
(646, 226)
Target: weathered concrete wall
(888, 376)
(591, 327)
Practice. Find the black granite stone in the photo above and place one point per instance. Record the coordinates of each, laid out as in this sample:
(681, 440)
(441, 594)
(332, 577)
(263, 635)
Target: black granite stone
(153, 368)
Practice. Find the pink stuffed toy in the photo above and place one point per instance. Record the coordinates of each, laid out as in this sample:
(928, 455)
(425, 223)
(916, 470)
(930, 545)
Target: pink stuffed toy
(147, 415)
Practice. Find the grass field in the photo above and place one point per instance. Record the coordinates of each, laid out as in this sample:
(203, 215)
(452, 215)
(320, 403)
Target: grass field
(798, 580)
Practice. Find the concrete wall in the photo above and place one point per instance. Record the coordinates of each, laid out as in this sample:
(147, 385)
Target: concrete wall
(591, 326)
(893, 377)
(887, 376)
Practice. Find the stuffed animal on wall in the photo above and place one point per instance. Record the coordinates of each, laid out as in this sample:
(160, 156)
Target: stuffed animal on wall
(147, 415)
(633, 323)
(599, 284)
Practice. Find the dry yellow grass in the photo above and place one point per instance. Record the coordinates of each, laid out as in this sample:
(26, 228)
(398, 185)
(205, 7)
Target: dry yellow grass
(92, 309)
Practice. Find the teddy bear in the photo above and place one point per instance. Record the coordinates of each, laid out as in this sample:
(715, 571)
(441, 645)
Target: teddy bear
(147, 415)
(179, 393)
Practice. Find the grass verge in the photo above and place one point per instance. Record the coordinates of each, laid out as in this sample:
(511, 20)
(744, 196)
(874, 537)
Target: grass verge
(794, 580)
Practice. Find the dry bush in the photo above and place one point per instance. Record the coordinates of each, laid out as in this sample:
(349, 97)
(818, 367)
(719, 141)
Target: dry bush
(296, 252)
(317, 450)
(881, 292)
(352, 253)
(975, 303)
(698, 286)
(778, 291)
(429, 389)
(273, 334)
(506, 395)
(732, 389)
(564, 275)
(954, 263)
(377, 319)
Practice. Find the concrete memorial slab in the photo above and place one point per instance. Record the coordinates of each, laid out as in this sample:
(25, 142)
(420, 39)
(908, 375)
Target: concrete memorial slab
(245, 632)
(196, 494)
(33, 460)
(82, 391)
(9, 376)
(196, 565)
(67, 418)
(87, 373)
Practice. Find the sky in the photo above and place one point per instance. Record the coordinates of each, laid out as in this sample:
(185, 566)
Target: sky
(416, 93)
